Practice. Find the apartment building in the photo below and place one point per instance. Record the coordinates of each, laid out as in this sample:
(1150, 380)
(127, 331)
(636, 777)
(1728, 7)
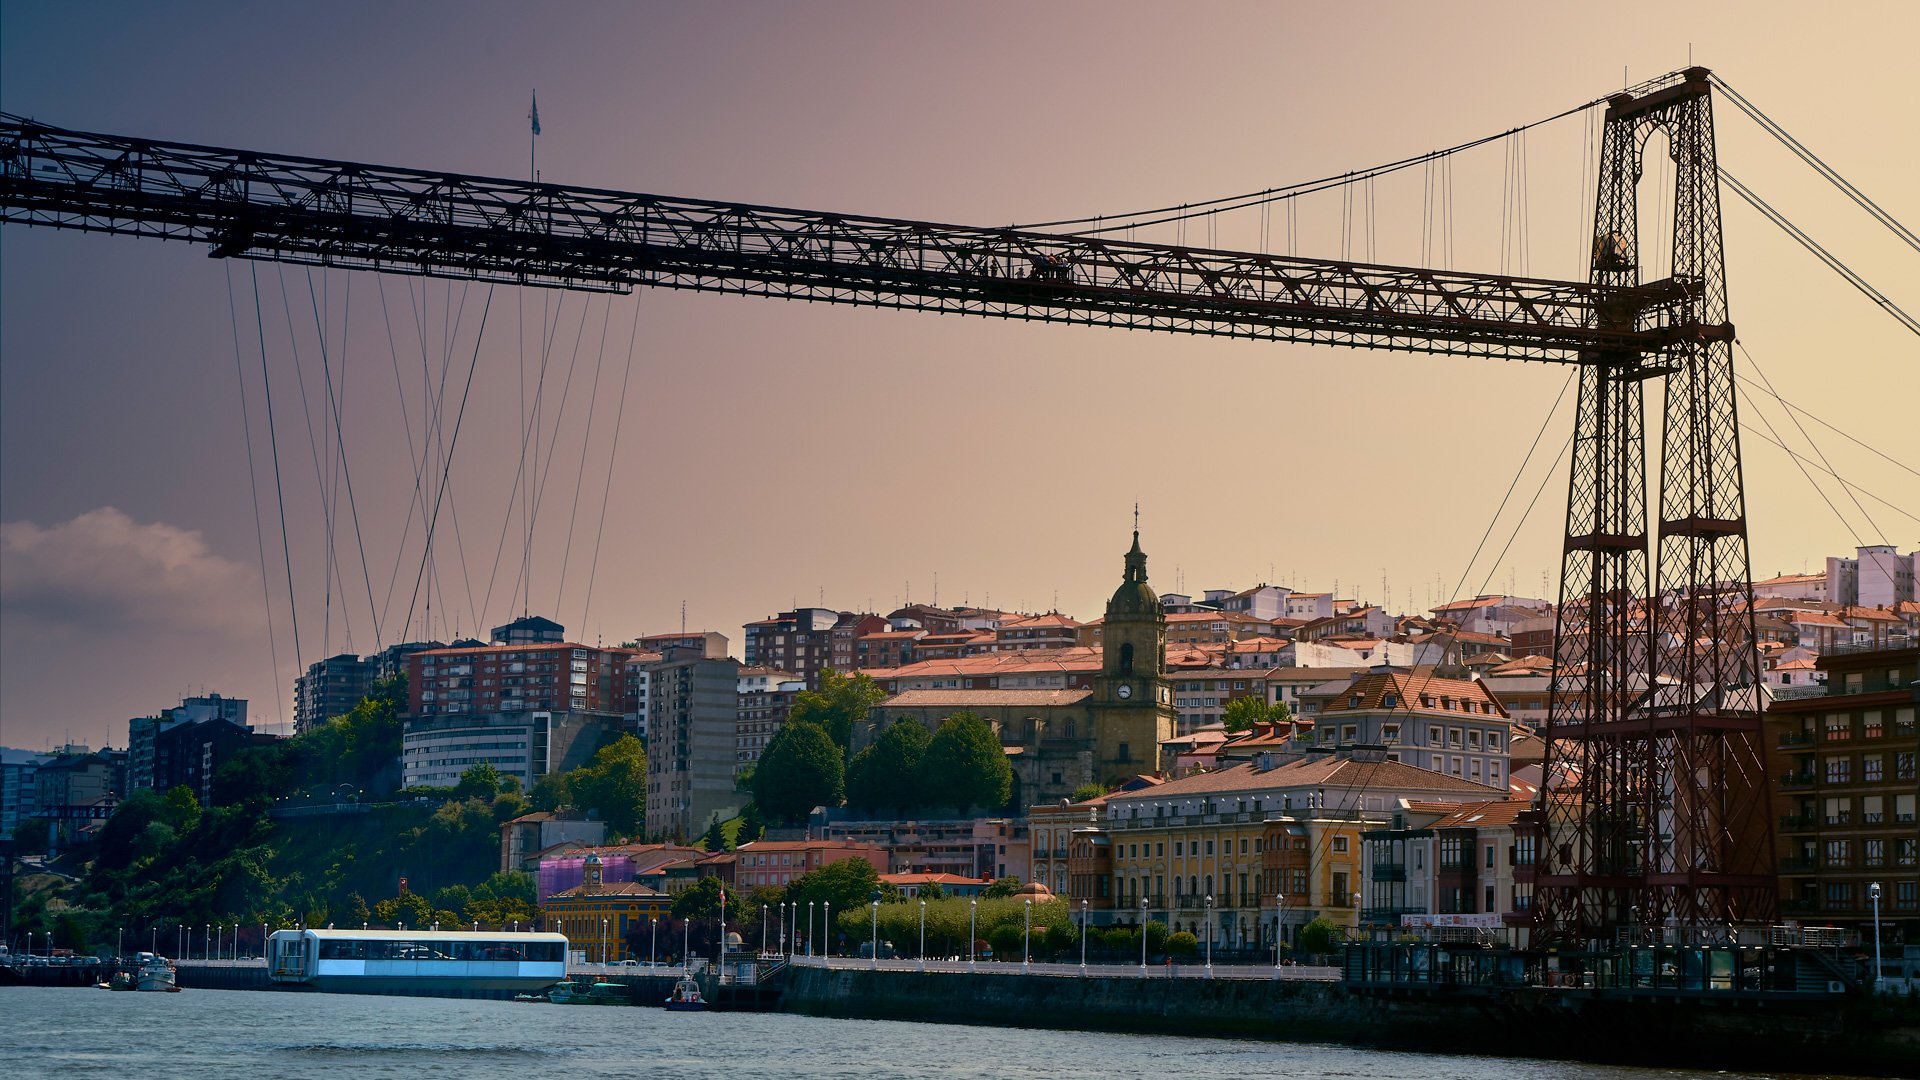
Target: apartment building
(1262, 848)
(1846, 789)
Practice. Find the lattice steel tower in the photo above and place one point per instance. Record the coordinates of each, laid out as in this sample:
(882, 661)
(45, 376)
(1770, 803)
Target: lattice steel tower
(1659, 813)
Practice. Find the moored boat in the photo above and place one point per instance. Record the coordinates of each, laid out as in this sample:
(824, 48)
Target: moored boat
(155, 974)
(686, 996)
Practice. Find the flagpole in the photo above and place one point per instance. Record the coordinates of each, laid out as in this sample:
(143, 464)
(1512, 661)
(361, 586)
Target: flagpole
(533, 139)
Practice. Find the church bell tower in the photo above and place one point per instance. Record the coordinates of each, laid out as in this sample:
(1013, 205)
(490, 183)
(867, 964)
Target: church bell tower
(1132, 702)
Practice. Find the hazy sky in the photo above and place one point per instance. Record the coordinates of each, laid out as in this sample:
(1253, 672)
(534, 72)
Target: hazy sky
(772, 453)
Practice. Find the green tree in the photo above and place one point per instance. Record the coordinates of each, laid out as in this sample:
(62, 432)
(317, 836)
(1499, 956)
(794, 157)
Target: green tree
(614, 785)
(932, 891)
(700, 902)
(841, 702)
(356, 909)
(409, 907)
(1156, 936)
(752, 826)
(716, 838)
(1244, 712)
(550, 792)
(1182, 943)
(845, 884)
(965, 766)
(1320, 936)
(800, 769)
(1001, 887)
(1008, 941)
(1087, 791)
(481, 781)
(886, 775)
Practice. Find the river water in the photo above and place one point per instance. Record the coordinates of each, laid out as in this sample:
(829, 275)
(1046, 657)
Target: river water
(67, 1032)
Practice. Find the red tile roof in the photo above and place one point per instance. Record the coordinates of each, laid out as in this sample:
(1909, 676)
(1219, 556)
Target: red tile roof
(962, 699)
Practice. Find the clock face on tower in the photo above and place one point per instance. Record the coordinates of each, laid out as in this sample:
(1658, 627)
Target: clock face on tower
(1125, 690)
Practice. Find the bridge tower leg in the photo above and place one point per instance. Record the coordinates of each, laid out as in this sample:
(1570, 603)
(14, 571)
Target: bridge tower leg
(1655, 812)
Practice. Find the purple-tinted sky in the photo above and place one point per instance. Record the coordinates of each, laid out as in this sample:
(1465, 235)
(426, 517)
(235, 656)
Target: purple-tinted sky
(773, 453)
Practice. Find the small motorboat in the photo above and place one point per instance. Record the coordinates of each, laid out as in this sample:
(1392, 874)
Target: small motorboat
(564, 991)
(686, 996)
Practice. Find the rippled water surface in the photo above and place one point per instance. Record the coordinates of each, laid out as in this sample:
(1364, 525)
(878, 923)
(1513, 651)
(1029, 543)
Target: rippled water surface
(69, 1032)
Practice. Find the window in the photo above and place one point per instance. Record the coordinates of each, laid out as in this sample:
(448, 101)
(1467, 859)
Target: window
(1390, 733)
(1903, 765)
(1340, 845)
(1489, 864)
(1839, 726)
(1178, 847)
(1839, 853)
(1903, 850)
(1209, 847)
(1493, 741)
(1453, 852)
(1523, 850)
(1839, 770)
(1839, 895)
(1839, 812)
(1870, 724)
(1870, 768)
(1243, 845)
(1903, 895)
(1874, 852)
(1903, 809)
(1433, 737)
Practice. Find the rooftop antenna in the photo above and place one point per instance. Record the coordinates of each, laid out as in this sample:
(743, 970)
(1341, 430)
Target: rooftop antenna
(683, 618)
(936, 588)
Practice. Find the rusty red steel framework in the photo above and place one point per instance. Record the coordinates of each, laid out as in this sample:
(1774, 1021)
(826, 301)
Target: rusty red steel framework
(1655, 810)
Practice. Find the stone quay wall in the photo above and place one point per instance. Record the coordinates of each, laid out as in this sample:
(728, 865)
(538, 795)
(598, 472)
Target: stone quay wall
(1852, 1036)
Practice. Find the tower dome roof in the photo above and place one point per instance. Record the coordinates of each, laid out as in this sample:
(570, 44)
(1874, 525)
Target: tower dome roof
(1134, 596)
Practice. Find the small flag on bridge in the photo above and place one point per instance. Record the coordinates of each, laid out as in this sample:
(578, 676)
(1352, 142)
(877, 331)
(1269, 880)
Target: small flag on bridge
(533, 114)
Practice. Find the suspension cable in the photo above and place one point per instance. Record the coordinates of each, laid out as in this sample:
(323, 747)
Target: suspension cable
(279, 489)
(1183, 211)
(1833, 262)
(1872, 524)
(1843, 433)
(253, 487)
(1800, 150)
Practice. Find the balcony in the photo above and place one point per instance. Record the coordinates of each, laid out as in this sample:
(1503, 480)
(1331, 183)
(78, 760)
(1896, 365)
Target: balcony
(1796, 738)
(1390, 872)
(1799, 864)
(1797, 780)
(1796, 822)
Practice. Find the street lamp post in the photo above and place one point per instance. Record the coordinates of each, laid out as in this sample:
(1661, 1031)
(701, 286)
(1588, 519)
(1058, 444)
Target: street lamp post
(1026, 943)
(603, 943)
(1083, 937)
(1209, 935)
(120, 943)
(1279, 928)
(653, 939)
(783, 928)
(809, 928)
(873, 961)
(686, 945)
(793, 938)
(826, 928)
(1143, 936)
(973, 910)
(923, 935)
(763, 928)
(1879, 979)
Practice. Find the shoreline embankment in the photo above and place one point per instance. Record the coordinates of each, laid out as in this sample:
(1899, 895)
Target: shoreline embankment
(1775, 1034)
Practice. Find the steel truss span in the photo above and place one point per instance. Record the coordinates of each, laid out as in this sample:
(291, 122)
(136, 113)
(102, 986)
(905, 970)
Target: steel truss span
(335, 213)
(1654, 810)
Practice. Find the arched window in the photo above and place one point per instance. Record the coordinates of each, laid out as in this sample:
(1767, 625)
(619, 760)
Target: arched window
(1126, 658)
